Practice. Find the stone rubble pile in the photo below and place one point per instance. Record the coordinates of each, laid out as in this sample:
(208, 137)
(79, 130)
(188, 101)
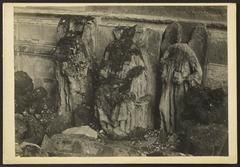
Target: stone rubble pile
(34, 110)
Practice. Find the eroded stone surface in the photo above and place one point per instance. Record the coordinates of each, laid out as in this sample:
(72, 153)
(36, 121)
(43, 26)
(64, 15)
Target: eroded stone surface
(47, 145)
(123, 98)
(74, 53)
(31, 150)
(76, 144)
(83, 130)
(180, 70)
(172, 34)
(198, 43)
(80, 145)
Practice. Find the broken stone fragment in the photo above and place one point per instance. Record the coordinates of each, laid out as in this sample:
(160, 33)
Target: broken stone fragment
(83, 130)
(80, 145)
(47, 145)
(32, 150)
(77, 145)
(18, 150)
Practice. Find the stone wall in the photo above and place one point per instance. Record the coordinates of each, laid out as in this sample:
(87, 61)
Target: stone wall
(35, 36)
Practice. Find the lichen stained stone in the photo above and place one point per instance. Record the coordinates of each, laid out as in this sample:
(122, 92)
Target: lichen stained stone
(73, 54)
(122, 99)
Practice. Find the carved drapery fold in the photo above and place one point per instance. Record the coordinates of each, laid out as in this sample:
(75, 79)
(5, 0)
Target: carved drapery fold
(123, 99)
(181, 64)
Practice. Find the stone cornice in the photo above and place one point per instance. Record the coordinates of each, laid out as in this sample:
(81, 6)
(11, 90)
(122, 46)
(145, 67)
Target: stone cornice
(118, 17)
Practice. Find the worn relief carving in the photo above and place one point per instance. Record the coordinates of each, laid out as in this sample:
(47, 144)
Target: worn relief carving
(123, 88)
(180, 70)
(74, 53)
(145, 97)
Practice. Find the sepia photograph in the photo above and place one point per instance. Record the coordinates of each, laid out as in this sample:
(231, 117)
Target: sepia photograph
(104, 81)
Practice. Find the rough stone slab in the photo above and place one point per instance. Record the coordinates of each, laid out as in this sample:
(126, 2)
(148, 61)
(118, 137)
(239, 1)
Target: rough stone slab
(79, 145)
(217, 76)
(31, 150)
(47, 144)
(217, 51)
(83, 130)
(198, 43)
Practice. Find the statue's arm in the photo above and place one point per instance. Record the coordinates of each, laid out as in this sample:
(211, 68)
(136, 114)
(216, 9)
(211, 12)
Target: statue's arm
(195, 78)
(104, 65)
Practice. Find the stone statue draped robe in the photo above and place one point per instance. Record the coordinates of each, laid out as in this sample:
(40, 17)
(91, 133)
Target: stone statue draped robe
(180, 70)
(120, 99)
(74, 54)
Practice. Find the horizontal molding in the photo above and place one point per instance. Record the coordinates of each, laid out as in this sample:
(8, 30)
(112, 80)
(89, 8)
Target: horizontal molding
(129, 17)
(33, 48)
(30, 54)
(46, 53)
(218, 65)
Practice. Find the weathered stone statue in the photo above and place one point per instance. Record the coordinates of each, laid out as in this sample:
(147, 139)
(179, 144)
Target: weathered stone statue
(180, 70)
(74, 53)
(122, 100)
